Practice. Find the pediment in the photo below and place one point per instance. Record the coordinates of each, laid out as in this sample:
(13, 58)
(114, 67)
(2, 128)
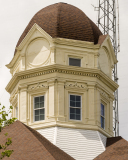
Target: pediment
(107, 58)
(107, 46)
(34, 33)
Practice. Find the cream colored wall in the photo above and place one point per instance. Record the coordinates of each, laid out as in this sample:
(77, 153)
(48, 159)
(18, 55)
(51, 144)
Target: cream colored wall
(63, 55)
(44, 70)
(39, 49)
(104, 62)
(56, 87)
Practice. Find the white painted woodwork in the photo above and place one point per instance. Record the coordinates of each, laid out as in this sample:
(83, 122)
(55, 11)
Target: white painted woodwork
(103, 138)
(80, 144)
(48, 133)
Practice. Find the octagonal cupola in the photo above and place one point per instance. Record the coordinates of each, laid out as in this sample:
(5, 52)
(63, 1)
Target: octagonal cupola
(62, 80)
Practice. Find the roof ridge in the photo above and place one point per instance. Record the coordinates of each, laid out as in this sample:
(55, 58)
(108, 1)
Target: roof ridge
(118, 149)
(29, 129)
(31, 144)
(36, 136)
(35, 133)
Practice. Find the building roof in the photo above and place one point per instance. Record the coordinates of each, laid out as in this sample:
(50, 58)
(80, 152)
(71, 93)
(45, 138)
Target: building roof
(116, 149)
(101, 39)
(28, 144)
(64, 21)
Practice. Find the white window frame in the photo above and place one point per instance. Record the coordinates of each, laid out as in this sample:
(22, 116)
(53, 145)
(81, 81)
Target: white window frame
(39, 108)
(102, 115)
(75, 107)
(74, 58)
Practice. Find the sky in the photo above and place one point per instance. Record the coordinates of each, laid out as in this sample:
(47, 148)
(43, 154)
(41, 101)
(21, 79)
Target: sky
(16, 14)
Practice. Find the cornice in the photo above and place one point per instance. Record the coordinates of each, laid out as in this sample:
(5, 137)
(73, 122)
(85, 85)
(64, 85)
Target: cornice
(65, 69)
(29, 34)
(75, 43)
(73, 125)
(14, 59)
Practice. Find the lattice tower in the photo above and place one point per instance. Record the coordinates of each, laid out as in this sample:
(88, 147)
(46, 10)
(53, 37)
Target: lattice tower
(108, 22)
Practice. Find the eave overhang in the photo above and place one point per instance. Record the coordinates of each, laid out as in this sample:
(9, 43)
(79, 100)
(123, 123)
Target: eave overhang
(56, 68)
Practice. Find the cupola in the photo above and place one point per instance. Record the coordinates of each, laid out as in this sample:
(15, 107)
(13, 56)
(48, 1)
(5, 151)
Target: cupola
(62, 83)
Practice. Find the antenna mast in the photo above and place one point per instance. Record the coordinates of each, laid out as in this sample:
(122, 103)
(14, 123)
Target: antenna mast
(108, 23)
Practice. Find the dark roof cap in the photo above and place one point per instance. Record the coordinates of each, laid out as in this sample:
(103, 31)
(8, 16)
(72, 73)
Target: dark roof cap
(62, 20)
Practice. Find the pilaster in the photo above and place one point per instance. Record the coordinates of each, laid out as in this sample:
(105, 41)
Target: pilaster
(53, 52)
(91, 103)
(111, 116)
(96, 60)
(23, 103)
(22, 63)
(52, 98)
(97, 105)
(61, 103)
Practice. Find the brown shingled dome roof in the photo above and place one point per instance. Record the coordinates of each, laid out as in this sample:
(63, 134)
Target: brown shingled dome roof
(64, 21)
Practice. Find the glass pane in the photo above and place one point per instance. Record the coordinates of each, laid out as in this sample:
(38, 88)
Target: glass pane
(102, 109)
(74, 62)
(36, 118)
(72, 110)
(41, 104)
(36, 112)
(41, 111)
(77, 117)
(78, 98)
(36, 99)
(72, 116)
(72, 103)
(78, 104)
(41, 98)
(36, 105)
(41, 117)
(72, 97)
(102, 122)
(77, 111)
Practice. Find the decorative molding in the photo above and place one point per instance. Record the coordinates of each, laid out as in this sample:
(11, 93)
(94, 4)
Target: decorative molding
(37, 86)
(76, 85)
(14, 98)
(56, 68)
(76, 43)
(104, 94)
(60, 71)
